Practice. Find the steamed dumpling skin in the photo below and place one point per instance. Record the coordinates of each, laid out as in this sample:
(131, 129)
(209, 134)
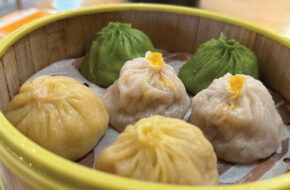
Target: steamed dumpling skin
(162, 149)
(237, 114)
(146, 86)
(60, 114)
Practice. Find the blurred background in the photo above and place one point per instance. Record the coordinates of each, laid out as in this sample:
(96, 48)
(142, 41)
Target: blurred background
(271, 14)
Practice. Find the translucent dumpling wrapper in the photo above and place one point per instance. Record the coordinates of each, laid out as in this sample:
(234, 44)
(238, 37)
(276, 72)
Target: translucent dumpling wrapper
(113, 46)
(60, 114)
(237, 114)
(214, 59)
(146, 86)
(161, 149)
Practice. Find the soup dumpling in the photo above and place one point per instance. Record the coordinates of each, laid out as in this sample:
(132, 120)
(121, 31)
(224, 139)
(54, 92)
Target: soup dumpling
(237, 114)
(60, 114)
(162, 149)
(146, 86)
(115, 44)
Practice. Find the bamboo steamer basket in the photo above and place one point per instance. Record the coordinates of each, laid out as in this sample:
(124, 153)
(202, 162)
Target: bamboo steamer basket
(25, 165)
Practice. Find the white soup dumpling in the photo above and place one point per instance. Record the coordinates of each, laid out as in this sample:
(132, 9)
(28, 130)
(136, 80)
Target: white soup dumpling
(146, 86)
(237, 114)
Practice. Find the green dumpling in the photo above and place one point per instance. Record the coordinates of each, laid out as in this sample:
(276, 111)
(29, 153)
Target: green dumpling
(214, 59)
(113, 46)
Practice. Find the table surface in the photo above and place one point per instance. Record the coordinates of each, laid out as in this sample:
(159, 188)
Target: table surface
(271, 14)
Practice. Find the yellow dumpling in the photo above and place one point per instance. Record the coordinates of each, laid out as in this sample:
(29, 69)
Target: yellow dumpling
(60, 114)
(162, 149)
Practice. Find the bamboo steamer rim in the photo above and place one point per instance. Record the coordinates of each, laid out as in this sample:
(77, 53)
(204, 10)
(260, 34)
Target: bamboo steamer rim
(40, 168)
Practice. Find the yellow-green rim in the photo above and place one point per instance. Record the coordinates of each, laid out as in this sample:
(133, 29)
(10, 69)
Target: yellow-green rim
(19, 153)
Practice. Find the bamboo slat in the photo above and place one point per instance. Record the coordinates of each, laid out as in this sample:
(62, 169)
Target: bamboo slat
(23, 56)
(274, 64)
(55, 41)
(4, 93)
(209, 28)
(39, 49)
(92, 25)
(74, 46)
(167, 30)
(11, 72)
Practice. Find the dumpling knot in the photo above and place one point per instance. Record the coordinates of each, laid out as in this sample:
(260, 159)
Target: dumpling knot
(155, 60)
(149, 135)
(236, 84)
